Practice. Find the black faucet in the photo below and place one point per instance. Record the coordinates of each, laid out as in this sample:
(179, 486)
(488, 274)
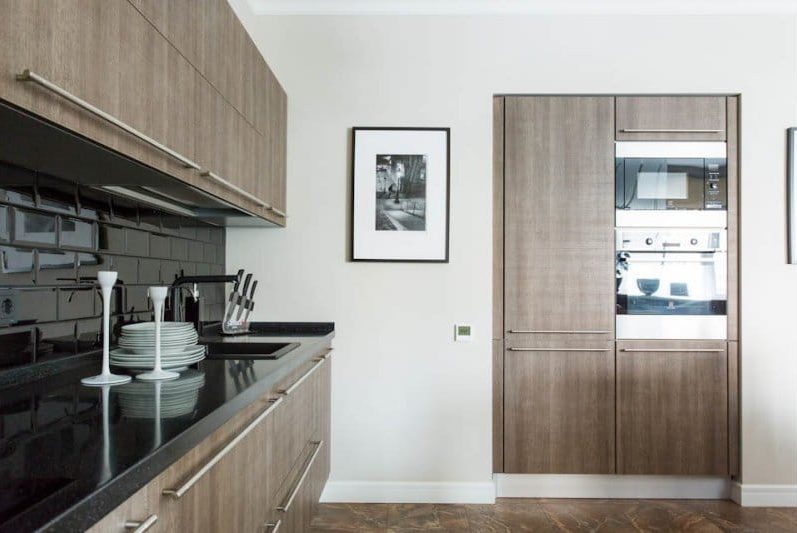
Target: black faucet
(189, 310)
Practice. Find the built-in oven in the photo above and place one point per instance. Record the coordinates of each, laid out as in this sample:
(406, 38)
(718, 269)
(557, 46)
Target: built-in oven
(686, 179)
(671, 283)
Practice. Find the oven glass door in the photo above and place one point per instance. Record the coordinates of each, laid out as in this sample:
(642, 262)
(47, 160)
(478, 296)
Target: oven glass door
(671, 283)
(660, 183)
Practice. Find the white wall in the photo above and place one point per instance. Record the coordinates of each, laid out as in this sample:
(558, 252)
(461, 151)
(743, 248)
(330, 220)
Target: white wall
(408, 403)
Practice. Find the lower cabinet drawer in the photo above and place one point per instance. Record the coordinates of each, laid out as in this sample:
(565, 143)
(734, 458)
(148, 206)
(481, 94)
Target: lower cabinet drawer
(297, 498)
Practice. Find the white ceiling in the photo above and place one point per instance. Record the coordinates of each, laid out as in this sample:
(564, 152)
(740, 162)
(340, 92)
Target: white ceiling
(472, 7)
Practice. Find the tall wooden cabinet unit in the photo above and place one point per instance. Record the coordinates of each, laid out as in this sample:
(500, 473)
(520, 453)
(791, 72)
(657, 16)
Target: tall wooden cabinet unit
(185, 74)
(558, 277)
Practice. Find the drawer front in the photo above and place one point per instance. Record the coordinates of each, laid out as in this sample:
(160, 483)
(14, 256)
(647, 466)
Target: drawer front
(671, 118)
(299, 496)
(672, 408)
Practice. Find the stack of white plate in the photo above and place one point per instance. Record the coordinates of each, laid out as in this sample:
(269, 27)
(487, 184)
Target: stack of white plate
(136, 349)
(177, 397)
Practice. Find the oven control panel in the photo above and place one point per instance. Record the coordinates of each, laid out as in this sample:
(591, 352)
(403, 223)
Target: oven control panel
(671, 239)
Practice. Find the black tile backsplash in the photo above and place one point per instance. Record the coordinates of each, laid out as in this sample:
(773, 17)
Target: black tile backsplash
(53, 234)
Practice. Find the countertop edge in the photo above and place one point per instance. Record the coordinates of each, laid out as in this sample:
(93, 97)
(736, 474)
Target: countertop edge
(105, 499)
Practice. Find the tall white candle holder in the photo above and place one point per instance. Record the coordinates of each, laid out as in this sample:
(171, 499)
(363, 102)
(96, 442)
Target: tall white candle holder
(106, 280)
(158, 297)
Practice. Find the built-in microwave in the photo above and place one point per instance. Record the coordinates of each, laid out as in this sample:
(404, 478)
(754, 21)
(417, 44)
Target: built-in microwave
(670, 176)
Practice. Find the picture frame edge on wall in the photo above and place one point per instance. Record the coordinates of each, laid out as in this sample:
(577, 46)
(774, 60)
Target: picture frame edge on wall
(791, 195)
(352, 220)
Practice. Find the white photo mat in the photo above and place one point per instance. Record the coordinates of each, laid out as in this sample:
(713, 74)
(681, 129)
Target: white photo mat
(406, 236)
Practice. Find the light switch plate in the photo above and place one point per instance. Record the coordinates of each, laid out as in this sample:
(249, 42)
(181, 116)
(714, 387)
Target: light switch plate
(462, 332)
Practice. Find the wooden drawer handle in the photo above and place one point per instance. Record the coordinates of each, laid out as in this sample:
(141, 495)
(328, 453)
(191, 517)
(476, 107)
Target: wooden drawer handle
(286, 504)
(28, 75)
(560, 349)
(178, 492)
(680, 350)
(141, 527)
(318, 362)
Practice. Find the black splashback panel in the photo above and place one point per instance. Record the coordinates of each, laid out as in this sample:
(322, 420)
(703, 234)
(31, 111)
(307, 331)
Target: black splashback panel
(55, 233)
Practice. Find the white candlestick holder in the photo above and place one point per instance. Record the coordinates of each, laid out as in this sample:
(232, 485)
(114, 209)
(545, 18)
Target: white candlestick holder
(158, 297)
(106, 280)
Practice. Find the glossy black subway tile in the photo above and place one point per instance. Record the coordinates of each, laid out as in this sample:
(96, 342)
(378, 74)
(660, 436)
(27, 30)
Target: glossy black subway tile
(76, 302)
(17, 185)
(188, 228)
(56, 195)
(89, 264)
(170, 224)
(169, 271)
(56, 268)
(126, 269)
(137, 301)
(111, 239)
(94, 204)
(196, 252)
(89, 334)
(209, 253)
(149, 219)
(17, 266)
(187, 268)
(76, 233)
(159, 246)
(203, 233)
(180, 249)
(30, 306)
(55, 340)
(32, 227)
(149, 271)
(137, 242)
(5, 226)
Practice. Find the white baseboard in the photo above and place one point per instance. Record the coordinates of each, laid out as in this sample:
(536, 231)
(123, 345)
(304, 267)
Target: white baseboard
(749, 495)
(610, 486)
(408, 492)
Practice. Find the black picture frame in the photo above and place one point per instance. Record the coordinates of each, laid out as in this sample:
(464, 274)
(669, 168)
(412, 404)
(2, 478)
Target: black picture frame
(791, 195)
(352, 250)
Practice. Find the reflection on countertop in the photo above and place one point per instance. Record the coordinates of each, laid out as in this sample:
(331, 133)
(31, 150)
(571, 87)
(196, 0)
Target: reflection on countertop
(62, 444)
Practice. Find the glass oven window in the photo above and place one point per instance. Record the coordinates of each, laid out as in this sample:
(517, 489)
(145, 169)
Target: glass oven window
(661, 283)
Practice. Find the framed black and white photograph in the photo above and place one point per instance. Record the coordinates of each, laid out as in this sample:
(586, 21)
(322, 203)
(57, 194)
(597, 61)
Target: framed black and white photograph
(400, 194)
(791, 174)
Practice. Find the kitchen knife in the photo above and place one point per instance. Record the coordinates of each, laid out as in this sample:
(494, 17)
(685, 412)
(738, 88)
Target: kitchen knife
(247, 301)
(233, 294)
(248, 311)
(242, 296)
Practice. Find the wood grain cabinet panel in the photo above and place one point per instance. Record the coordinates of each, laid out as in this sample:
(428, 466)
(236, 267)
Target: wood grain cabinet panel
(672, 407)
(675, 118)
(559, 411)
(559, 213)
(135, 509)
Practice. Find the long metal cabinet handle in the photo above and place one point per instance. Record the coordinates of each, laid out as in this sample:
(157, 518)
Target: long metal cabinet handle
(141, 527)
(28, 75)
(286, 505)
(632, 130)
(273, 527)
(278, 212)
(684, 350)
(178, 492)
(316, 366)
(231, 186)
(560, 349)
(564, 332)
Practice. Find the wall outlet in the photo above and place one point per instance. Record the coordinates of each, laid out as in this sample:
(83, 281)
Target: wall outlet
(462, 332)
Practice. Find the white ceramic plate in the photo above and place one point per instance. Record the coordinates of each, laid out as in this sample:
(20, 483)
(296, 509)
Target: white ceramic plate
(150, 326)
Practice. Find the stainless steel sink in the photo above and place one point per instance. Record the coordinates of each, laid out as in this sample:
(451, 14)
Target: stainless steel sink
(249, 350)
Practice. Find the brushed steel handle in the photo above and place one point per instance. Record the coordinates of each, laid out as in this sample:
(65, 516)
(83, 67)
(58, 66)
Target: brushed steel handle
(286, 504)
(278, 212)
(682, 350)
(28, 75)
(668, 130)
(318, 362)
(233, 187)
(564, 332)
(141, 527)
(273, 527)
(560, 349)
(185, 487)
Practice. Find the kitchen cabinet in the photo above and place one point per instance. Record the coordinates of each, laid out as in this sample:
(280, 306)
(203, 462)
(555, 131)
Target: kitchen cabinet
(559, 214)
(672, 407)
(559, 410)
(186, 76)
(671, 118)
(268, 464)
(558, 285)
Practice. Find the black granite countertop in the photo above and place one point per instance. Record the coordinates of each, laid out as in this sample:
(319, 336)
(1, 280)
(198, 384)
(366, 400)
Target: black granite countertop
(69, 454)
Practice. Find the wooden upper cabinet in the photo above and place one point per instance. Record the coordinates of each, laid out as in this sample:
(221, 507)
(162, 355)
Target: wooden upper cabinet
(559, 214)
(674, 118)
(672, 408)
(559, 411)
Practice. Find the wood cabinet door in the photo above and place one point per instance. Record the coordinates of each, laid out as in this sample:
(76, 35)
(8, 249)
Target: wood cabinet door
(134, 509)
(672, 407)
(559, 214)
(671, 118)
(559, 411)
